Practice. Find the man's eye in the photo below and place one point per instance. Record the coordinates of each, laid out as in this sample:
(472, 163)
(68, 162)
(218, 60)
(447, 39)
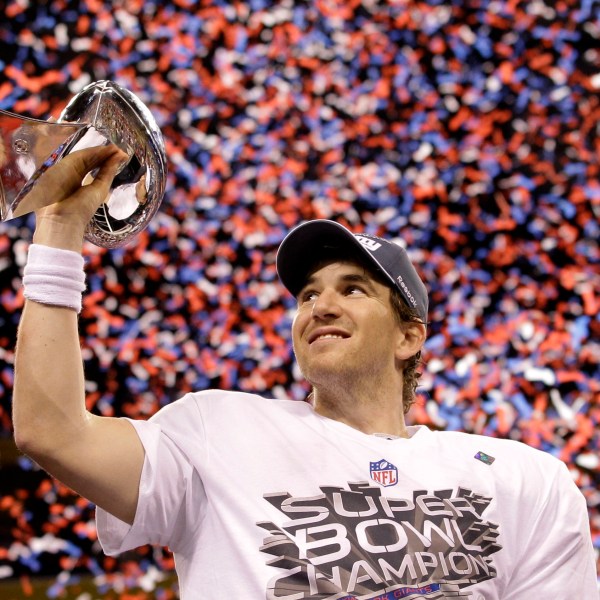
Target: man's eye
(307, 296)
(354, 289)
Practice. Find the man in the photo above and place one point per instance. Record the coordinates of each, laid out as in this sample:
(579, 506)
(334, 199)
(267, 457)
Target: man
(332, 498)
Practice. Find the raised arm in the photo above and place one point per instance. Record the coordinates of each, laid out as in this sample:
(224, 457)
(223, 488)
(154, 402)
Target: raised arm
(98, 457)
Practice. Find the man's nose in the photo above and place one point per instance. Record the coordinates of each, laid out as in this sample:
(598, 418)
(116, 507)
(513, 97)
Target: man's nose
(326, 305)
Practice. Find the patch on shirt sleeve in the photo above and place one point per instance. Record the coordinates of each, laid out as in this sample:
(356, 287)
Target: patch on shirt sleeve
(485, 458)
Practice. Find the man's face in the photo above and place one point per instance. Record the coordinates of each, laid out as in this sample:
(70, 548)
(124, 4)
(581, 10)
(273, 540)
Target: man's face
(345, 327)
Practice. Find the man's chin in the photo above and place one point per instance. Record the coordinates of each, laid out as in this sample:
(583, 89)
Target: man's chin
(324, 370)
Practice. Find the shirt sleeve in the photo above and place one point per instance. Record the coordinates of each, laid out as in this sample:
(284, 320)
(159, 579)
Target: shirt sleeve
(170, 502)
(558, 557)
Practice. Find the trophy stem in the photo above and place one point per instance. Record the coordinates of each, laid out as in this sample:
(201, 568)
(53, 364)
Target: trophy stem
(27, 148)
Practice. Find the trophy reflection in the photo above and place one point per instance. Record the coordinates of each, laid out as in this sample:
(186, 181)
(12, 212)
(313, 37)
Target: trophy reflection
(103, 112)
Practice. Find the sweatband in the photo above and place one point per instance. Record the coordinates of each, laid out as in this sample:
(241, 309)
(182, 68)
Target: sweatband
(54, 276)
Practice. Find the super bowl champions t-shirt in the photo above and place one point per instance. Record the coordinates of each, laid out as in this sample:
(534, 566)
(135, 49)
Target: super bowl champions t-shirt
(267, 499)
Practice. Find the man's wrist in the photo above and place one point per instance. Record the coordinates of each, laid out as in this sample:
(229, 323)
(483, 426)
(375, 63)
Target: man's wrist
(58, 235)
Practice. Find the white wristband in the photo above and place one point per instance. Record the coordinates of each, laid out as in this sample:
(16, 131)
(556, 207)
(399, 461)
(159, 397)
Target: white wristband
(54, 276)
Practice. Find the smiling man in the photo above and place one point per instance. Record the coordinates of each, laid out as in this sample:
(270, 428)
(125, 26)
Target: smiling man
(335, 498)
(361, 316)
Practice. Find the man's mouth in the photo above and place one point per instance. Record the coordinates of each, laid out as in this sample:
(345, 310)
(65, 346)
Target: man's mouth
(327, 335)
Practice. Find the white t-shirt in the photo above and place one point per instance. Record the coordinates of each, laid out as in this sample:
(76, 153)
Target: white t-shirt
(267, 499)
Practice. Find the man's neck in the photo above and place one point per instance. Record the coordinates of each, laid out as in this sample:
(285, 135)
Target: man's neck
(372, 413)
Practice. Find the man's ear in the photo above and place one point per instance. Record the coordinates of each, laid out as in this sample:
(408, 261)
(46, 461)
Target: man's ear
(412, 341)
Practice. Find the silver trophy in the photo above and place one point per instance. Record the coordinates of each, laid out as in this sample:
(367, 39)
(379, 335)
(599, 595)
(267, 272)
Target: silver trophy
(103, 112)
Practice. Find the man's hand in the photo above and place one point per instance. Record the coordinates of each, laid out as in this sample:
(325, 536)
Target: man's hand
(63, 223)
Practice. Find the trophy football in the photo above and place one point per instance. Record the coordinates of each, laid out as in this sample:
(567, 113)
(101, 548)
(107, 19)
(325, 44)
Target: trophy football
(103, 112)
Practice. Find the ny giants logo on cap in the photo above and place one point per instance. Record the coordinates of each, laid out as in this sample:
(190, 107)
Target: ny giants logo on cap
(368, 243)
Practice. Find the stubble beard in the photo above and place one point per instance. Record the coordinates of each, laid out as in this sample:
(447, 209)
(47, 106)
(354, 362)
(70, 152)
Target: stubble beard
(346, 375)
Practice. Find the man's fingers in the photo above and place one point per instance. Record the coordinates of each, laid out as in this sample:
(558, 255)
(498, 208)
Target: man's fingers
(65, 177)
(97, 191)
(84, 161)
(105, 174)
(110, 167)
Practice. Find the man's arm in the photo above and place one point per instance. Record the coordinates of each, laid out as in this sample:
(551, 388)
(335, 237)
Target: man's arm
(98, 457)
(557, 559)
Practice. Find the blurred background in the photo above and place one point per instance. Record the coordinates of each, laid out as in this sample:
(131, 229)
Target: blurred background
(466, 130)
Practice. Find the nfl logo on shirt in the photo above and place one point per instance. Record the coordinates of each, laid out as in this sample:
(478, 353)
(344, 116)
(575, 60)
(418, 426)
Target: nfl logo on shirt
(384, 473)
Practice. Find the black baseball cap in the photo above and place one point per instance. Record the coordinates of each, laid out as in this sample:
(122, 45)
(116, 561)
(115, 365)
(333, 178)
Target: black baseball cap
(306, 243)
